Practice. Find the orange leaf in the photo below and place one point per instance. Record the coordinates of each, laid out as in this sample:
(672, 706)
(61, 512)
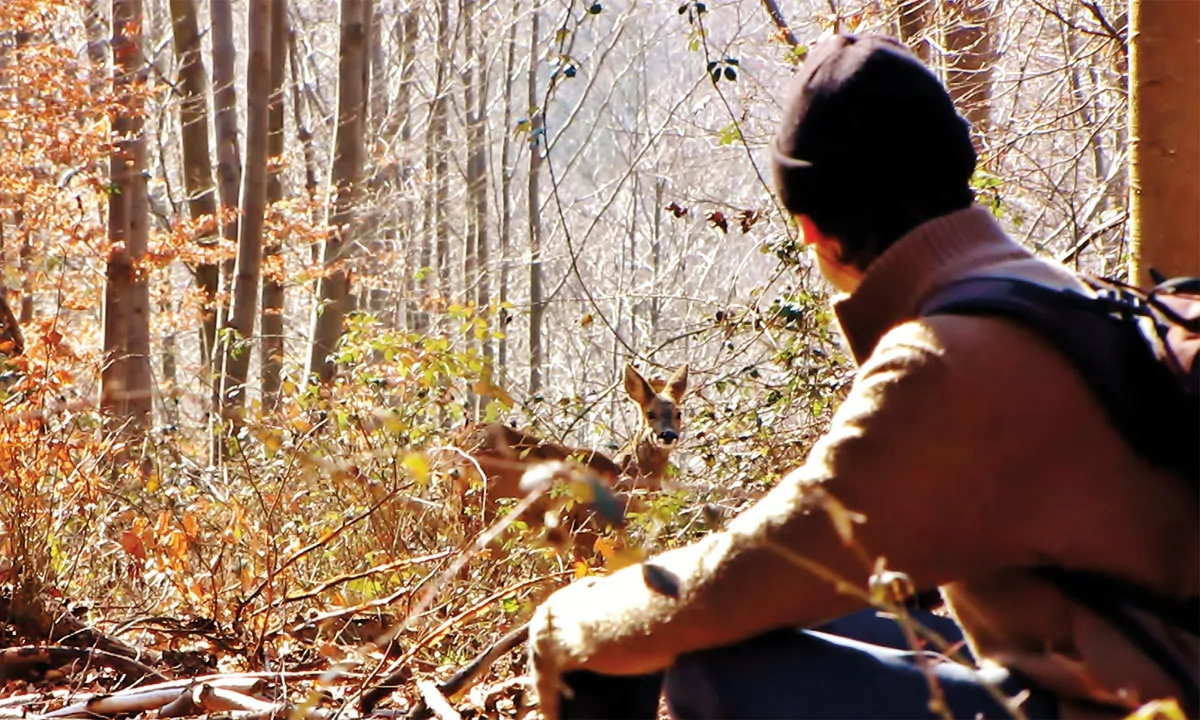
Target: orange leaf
(581, 570)
(191, 526)
(132, 543)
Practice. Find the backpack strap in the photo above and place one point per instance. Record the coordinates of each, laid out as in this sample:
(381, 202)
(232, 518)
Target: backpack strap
(1110, 597)
(1099, 335)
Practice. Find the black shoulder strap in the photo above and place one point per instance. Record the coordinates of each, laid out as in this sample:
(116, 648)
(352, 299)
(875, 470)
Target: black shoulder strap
(1100, 336)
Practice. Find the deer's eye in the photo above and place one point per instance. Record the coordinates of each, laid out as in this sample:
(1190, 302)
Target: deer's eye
(650, 416)
(678, 415)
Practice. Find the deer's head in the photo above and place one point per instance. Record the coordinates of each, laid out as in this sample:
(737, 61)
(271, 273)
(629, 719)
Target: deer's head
(662, 417)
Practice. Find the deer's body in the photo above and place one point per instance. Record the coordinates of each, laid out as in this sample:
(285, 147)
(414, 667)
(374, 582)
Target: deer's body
(505, 453)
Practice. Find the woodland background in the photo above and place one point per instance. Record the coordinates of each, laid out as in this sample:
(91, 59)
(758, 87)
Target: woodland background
(267, 255)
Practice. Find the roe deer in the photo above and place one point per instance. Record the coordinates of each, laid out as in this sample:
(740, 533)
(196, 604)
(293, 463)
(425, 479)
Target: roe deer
(644, 459)
(504, 454)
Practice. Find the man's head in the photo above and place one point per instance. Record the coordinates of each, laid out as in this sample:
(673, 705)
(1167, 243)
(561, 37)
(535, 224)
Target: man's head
(870, 147)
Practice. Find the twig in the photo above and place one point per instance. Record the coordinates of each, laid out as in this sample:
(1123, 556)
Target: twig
(436, 701)
(369, 698)
(482, 662)
(1098, 13)
(58, 655)
(466, 675)
(315, 544)
(1070, 255)
(349, 577)
(777, 17)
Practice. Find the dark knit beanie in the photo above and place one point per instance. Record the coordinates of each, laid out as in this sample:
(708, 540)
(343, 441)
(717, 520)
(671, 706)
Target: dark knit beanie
(867, 126)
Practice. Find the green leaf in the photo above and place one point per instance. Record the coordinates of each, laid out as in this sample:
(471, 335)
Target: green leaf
(730, 134)
(796, 55)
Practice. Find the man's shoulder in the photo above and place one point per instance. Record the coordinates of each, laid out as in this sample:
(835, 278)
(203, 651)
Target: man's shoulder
(962, 336)
(967, 346)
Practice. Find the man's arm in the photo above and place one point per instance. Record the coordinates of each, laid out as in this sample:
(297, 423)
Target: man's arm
(908, 449)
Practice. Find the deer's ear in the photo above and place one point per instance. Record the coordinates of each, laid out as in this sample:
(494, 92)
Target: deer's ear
(636, 386)
(677, 385)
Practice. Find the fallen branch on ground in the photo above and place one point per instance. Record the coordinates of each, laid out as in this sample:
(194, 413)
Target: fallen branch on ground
(17, 657)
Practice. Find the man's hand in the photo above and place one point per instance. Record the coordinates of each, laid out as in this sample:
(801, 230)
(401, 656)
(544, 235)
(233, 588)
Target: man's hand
(612, 629)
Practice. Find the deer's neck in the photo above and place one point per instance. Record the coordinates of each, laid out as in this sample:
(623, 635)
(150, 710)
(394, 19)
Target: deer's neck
(644, 460)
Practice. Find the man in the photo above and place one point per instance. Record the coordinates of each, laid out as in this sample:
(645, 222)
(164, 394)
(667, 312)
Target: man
(967, 452)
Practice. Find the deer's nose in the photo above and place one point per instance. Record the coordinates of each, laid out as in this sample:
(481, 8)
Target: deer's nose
(668, 436)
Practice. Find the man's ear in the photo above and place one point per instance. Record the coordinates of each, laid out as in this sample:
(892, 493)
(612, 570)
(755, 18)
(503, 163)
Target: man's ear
(810, 234)
(828, 246)
(808, 229)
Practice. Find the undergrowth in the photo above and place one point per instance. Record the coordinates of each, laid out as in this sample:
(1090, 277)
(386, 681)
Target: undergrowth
(332, 517)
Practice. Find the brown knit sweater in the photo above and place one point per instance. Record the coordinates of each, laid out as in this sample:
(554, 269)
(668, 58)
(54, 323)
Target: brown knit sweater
(972, 449)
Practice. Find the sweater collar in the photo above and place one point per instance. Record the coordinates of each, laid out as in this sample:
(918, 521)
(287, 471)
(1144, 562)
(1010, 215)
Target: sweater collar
(899, 280)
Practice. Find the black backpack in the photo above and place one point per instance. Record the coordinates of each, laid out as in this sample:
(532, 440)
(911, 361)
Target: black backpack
(1140, 352)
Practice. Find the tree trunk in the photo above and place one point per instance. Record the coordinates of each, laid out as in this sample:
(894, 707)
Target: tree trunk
(229, 154)
(271, 322)
(471, 251)
(25, 263)
(441, 153)
(303, 129)
(1084, 97)
(334, 288)
(427, 287)
(1164, 72)
(197, 159)
(125, 377)
(408, 29)
(479, 173)
(239, 328)
(93, 21)
(506, 190)
(969, 62)
(229, 160)
(368, 209)
(170, 368)
(475, 100)
(912, 20)
(631, 234)
(422, 277)
(537, 140)
(660, 186)
(382, 174)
